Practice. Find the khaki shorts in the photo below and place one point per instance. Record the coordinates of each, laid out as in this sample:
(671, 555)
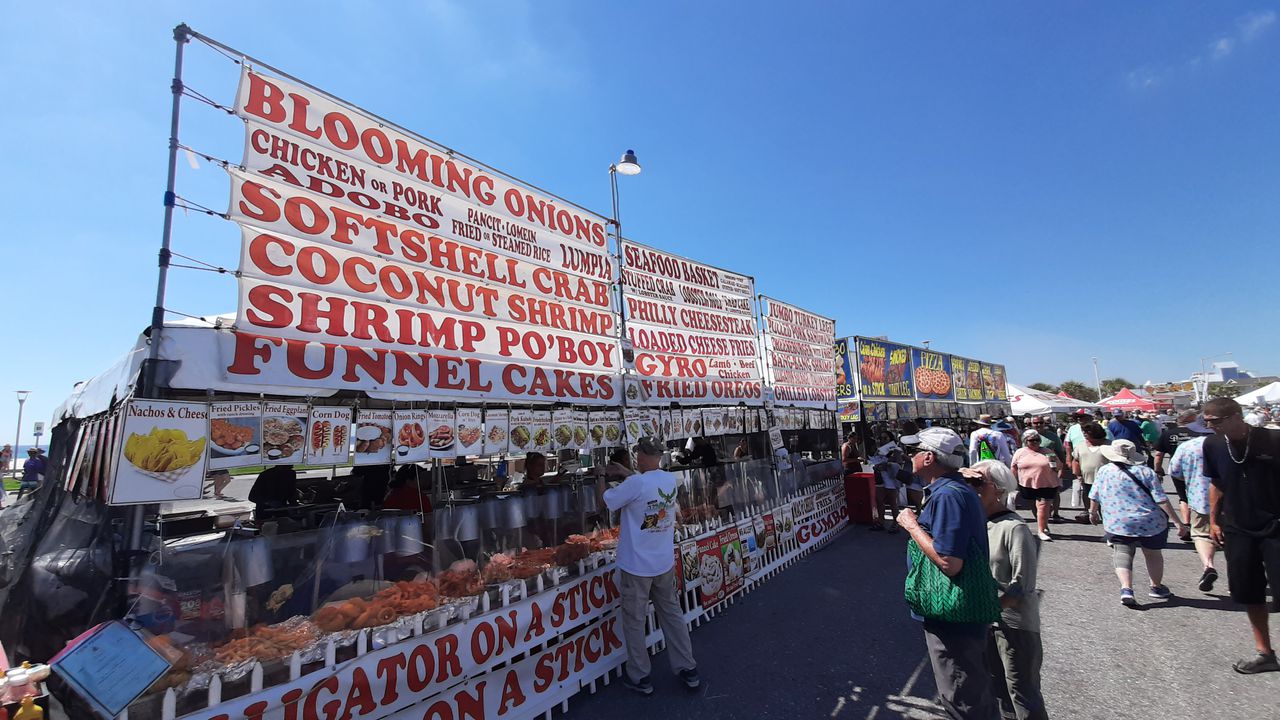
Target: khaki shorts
(1199, 525)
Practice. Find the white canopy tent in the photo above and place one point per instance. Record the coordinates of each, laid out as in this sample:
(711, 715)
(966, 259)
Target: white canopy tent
(1267, 394)
(1024, 401)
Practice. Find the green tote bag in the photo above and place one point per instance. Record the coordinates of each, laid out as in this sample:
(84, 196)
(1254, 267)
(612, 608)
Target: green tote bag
(969, 597)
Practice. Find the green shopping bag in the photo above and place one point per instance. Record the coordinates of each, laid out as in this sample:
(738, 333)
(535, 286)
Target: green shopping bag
(969, 597)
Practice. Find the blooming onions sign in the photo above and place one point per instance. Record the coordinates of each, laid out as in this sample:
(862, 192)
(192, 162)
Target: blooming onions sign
(373, 261)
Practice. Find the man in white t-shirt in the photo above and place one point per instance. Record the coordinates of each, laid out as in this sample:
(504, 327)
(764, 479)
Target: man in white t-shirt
(646, 559)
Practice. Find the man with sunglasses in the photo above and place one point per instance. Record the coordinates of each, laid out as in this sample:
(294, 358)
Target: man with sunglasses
(951, 532)
(1243, 466)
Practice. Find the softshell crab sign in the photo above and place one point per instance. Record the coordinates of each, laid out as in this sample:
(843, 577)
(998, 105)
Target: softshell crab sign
(373, 261)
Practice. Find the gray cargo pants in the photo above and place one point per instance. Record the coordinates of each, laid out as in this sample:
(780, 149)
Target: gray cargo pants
(637, 591)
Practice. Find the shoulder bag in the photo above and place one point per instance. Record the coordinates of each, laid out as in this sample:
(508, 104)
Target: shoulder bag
(969, 597)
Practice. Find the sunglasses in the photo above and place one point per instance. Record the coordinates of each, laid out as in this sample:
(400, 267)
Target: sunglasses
(1208, 420)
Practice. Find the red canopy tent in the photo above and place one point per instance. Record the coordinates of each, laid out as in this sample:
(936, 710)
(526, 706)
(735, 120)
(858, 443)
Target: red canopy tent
(1127, 399)
(1064, 395)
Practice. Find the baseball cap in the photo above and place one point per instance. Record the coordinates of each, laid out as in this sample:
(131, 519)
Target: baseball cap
(649, 445)
(941, 440)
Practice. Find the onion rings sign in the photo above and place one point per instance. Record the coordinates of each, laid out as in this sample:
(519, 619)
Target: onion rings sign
(693, 329)
(798, 359)
(372, 261)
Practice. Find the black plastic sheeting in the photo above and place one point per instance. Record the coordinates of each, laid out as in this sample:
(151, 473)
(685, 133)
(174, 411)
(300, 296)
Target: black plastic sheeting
(60, 556)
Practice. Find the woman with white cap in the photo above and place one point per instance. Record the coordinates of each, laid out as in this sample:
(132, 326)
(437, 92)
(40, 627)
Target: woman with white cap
(1129, 500)
(1038, 479)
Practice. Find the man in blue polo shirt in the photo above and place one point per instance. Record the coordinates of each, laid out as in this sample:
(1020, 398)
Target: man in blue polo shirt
(950, 525)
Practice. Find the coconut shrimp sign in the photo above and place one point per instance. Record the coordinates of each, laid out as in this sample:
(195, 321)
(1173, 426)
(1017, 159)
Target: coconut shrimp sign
(798, 359)
(693, 329)
(372, 261)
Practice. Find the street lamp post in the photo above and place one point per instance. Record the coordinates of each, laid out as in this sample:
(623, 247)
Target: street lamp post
(1097, 379)
(628, 165)
(17, 434)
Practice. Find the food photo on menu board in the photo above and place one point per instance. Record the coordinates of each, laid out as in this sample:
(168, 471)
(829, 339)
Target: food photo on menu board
(469, 431)
(164, 452)
(373, 437)
(581, 430)
(284, 427)
(562, 429)
(497, 429)
(442, 433)
(409, 433)
(235, 434)
(329, 436)
(541, 431)
(521, 431)
(932, 374)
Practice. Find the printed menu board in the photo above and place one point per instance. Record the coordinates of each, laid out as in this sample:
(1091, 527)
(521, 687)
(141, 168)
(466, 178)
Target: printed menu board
(966, 376)
(373, 437)
(884, 370)
(441, 433)
(328, 436)
(496, 428)
(164, 452)
(993, 383)
(693, 328)
(469, 432)
(711, 571)
(798, 361)
(235, 434)
(409, 428)
(932, 375)
(284, 427)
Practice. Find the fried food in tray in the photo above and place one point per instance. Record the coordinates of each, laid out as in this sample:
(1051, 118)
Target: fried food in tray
(462, 579)
(575, 548)
(269, 642)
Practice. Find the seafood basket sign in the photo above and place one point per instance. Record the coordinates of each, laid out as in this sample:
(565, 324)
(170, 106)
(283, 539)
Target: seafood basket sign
(798, 361)
(884, 370)
(693, 328)
(162, 455)
(372, 261)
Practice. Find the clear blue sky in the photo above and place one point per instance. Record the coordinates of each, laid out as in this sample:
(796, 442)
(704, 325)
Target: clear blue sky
(1027, 183)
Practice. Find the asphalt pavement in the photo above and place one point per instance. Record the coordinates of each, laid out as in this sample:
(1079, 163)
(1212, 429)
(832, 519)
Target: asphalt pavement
(830, 638)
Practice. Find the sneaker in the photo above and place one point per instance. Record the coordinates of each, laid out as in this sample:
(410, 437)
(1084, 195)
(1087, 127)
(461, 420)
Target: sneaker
(1044, 536)
(644, 687)
(690, 678)
(1207, 578)
(1260, 663)
(1160, 592)
(1127, 599)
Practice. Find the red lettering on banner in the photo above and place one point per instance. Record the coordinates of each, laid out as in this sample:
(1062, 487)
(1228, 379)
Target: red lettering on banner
(422, 665)
(483, 643)
(361, 695)
(536, 628)
(389, 672)
(363, 139)
(447, 657)
(310, 711)
(512, 695)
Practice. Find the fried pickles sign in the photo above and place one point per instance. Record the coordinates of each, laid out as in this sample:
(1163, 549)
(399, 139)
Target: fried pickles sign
(382, 683)
(693, 328)
(371, 261)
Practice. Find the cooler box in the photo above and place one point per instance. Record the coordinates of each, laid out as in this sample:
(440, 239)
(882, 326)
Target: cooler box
(860, 494)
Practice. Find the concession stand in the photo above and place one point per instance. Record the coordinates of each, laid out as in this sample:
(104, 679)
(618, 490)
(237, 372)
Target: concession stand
(373, 489)
(889, 388)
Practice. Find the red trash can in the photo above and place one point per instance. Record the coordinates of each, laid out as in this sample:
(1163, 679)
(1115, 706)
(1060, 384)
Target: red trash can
(860, 495)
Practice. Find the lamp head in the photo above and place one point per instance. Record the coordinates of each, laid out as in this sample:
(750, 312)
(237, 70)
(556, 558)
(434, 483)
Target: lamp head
(629, 165)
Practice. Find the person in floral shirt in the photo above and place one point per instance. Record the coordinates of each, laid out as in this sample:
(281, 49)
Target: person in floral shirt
(1130, 502)
(1188, 465)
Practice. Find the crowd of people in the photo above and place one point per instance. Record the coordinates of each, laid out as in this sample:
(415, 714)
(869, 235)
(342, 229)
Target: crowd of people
(973, 558)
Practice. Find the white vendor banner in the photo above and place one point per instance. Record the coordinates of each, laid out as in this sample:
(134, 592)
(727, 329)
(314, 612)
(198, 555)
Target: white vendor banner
(393, 166)
(329, 436)
(693, 329)
(381, 683)
(235, 434)
(798, 362)
(163, 451)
